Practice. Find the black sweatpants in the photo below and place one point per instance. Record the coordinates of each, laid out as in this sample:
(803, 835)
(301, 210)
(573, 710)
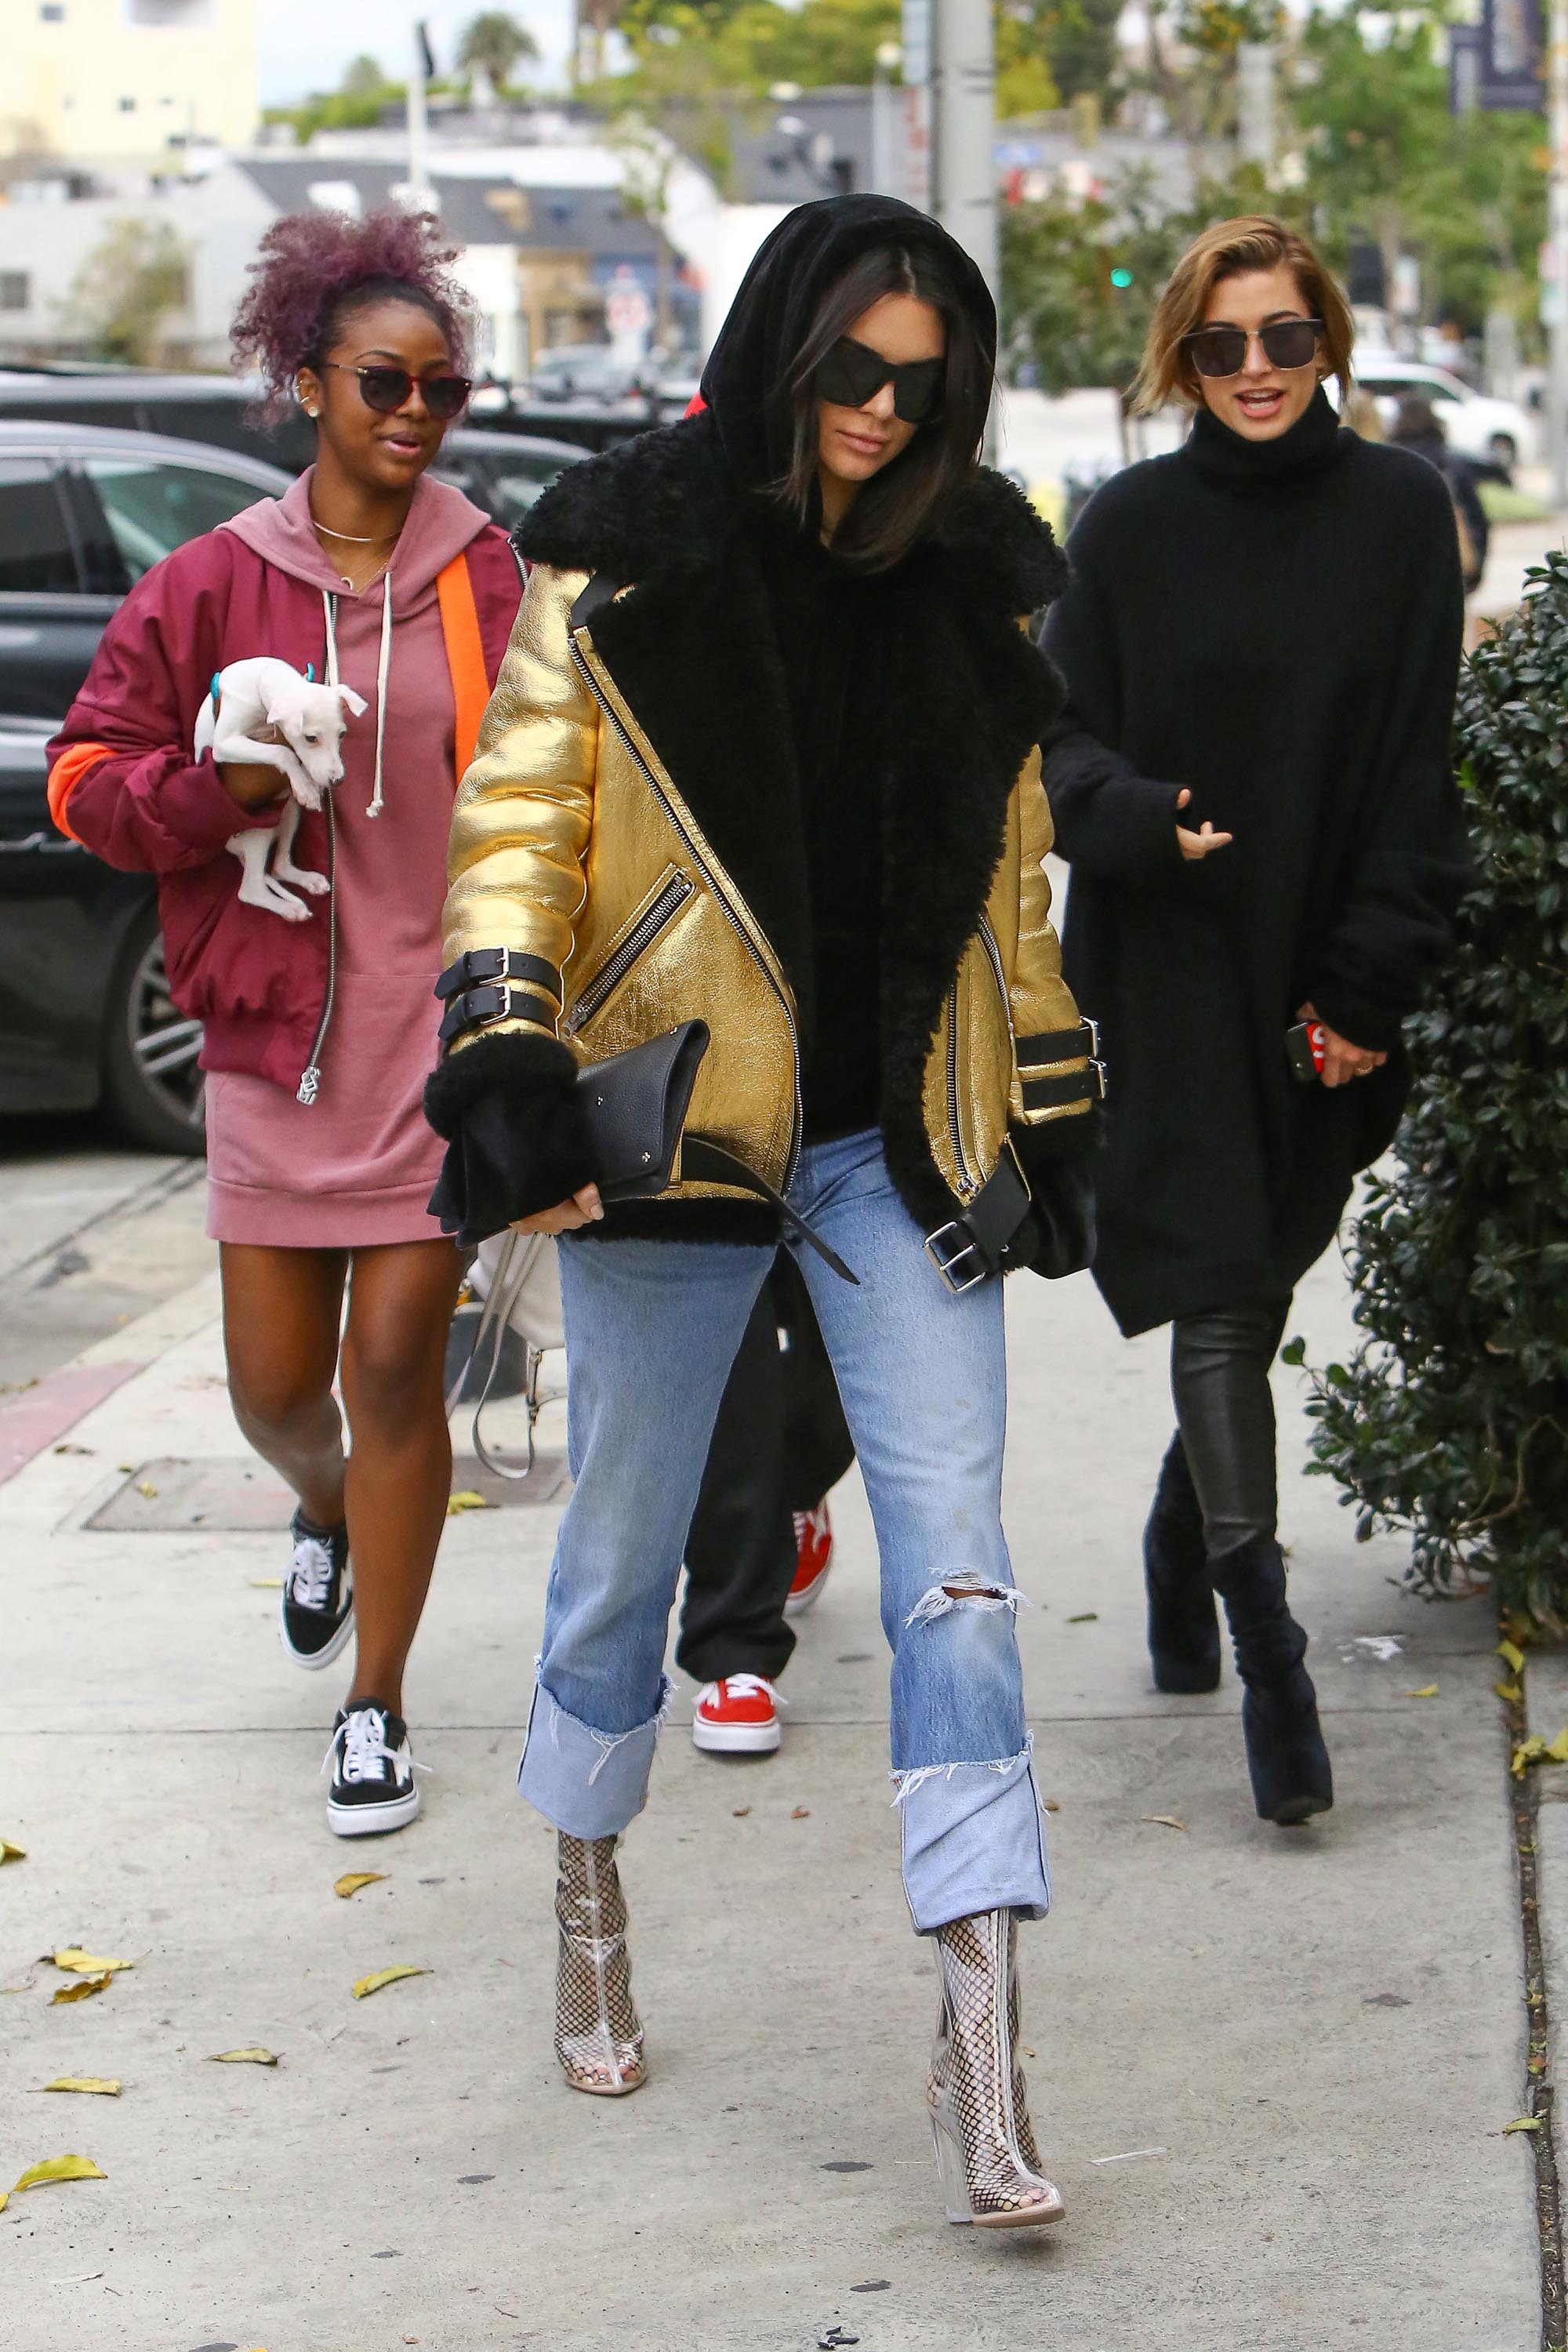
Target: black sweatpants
(779, 1443)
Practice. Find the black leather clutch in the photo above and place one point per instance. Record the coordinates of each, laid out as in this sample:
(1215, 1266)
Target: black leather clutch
(633, 1107)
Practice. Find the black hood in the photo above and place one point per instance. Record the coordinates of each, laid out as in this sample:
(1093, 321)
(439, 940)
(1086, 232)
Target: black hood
(745, 381)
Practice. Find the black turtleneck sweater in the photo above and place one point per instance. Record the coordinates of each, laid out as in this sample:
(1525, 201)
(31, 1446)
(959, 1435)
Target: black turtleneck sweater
(1275, 625)
(828, 622)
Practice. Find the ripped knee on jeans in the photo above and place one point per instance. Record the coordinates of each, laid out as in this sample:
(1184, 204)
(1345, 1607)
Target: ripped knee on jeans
(966, 1590)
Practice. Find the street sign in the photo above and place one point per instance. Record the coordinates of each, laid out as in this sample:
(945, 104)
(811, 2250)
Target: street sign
(1513, 58)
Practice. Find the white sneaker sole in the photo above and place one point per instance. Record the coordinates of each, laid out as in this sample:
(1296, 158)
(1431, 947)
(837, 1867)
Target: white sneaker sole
(369, 1821)
(799, 1602)
(317, 1658)
(736, 1738)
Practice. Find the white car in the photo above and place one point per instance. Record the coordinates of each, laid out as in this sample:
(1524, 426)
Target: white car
(1498, 432)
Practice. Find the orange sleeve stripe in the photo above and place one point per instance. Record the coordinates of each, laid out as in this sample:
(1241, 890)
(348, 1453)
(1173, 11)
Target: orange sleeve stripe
(465, 656)
(67, 774)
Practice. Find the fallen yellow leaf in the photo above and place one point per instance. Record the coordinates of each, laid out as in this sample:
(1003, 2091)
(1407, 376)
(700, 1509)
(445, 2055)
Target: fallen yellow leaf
(368, 1985)
(9, 1852)
(252, 2054)
(1557, 1749)
(145, 1486)
(83, 1992)
(465, 1499)
(4, 2199)
(88, 1964)
(1165, 1821)
(104, 2089)
(1521, 2122)
(1427, 1690)
(352, 1880)
(1512, 1656)
(1503, 1690)
(60, 2168)
(265, 1584)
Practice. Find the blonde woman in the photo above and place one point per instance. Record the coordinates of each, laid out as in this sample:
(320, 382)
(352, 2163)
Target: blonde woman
(1252, 783)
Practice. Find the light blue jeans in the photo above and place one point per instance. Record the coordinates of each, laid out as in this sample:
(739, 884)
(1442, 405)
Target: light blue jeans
(652, 1329)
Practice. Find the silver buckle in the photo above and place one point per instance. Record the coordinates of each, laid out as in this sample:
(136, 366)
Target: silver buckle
(1100, 1080)
(945, 1260)
(1092, 1025)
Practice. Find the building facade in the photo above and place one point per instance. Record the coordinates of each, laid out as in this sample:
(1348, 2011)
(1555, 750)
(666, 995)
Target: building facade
(129, 82)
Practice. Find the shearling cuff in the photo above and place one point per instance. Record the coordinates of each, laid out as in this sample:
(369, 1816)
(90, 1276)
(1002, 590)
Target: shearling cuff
(508, 1107)
(1375, 1027)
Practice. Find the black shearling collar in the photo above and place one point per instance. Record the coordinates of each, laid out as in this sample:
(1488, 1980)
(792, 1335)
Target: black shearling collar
(666, 503)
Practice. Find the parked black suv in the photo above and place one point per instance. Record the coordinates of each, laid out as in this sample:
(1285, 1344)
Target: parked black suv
(85, 1015)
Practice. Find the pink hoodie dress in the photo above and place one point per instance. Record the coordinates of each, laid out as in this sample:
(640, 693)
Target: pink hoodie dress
(355, 1166)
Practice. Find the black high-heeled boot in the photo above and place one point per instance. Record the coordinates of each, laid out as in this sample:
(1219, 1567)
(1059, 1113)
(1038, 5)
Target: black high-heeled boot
(1289, 1764)
(1184, 1626)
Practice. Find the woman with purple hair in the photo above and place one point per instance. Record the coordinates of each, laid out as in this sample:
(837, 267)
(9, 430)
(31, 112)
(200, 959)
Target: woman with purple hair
(319, 1029)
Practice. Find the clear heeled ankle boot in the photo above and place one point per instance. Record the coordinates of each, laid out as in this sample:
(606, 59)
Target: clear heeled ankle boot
(598, 2034)
(984, 2143)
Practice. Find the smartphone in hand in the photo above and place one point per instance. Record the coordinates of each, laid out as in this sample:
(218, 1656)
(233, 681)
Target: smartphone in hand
(1304, 1044)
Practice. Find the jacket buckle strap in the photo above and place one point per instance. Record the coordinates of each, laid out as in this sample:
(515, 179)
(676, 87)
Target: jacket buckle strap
(480, 964)
(969, 1249)
(478, 1007)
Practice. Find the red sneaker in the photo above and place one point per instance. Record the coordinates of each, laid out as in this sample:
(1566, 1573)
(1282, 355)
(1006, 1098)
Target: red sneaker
(812, 1558)
(737, 1716)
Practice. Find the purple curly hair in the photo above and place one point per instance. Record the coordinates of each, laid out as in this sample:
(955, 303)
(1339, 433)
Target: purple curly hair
(315, 266)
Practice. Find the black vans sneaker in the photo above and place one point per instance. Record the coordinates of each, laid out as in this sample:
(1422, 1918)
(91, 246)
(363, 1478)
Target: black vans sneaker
(318, 1614)
(373, 1785)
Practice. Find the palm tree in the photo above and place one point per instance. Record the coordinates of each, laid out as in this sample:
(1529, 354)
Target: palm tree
(492, 43)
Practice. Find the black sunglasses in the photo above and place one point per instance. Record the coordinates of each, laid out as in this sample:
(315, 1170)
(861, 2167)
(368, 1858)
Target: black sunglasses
(852, 374)
(1222, 350)
(388, 389)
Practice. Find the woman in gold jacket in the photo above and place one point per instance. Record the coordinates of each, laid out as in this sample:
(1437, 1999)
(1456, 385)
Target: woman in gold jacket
(764, 754)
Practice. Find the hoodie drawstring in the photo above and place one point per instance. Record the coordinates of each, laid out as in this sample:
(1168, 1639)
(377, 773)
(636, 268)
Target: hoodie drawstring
(383, 668)
(383, 671)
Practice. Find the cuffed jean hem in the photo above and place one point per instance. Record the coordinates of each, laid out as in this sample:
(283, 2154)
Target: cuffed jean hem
(974, 1840)
(589, 1784)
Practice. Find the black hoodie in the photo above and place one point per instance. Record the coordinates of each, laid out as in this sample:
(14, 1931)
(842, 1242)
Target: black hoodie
(831, 624)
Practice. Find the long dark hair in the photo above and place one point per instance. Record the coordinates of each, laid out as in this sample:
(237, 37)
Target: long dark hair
(906, 501)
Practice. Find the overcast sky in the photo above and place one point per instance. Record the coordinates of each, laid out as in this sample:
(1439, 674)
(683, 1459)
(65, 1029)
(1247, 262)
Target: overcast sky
(302, 44)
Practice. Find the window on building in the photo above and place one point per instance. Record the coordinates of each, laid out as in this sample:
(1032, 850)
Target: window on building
(128, 106)
(186, 16)
(16, 290)
(52, 12)
(35, 544)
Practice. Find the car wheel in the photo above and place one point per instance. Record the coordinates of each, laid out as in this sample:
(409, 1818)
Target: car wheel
(152, 1080)
(1503, 450)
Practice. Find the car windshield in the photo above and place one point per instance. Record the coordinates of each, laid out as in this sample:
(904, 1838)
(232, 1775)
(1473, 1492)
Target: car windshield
(151, 506)
(507, 487)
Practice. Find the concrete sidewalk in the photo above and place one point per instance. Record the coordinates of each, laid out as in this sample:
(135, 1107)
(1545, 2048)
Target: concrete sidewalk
(1299, 2048)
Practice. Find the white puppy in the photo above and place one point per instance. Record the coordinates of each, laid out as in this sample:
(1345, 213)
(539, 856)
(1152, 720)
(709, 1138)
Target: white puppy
(304, 725)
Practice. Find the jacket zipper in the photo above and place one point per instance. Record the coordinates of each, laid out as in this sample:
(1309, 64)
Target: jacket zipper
(311, 1075)
(642, 935)
(738, 928)
(968, 1183)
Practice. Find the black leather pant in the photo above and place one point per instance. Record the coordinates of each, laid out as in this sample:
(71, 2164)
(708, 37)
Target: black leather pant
(779, 1443)
(1224, 1408)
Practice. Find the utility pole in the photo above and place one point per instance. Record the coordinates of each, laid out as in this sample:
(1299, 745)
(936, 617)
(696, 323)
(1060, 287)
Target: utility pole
(1557, 231)
(422, 67)
(963, 76)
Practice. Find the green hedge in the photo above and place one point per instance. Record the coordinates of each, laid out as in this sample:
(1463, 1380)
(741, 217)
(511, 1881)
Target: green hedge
(1451, 1419)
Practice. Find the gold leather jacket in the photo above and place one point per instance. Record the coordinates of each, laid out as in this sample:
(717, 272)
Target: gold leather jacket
(577, 844)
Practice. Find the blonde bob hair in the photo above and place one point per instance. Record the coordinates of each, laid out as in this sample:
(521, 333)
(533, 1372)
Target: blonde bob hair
(1227, 249)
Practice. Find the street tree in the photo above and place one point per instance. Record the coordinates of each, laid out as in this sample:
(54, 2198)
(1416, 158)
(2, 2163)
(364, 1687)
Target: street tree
(493, 43)
(133, 280)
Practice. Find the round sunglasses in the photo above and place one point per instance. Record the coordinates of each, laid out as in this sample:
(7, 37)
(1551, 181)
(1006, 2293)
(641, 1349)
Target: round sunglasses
(388, 389)
(851, 374)
(1222, 350)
